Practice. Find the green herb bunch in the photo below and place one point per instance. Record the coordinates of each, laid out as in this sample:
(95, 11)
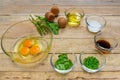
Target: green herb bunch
(63, 63)
(41, 23)
(91, 62)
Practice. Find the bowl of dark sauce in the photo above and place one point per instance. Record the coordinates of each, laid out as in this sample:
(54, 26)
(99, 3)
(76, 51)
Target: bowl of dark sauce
(105, 42)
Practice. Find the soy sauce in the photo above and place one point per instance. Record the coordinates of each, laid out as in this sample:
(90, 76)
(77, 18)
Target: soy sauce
(104, 44)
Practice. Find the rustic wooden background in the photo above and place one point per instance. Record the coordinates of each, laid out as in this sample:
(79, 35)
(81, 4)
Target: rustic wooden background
(12, 11)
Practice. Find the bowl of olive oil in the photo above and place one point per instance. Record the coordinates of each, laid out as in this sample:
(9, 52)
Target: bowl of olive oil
(74, 16)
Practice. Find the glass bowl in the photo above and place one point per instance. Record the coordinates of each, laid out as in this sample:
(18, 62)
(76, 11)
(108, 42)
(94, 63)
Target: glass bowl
(55, 60)
(19, 32)
(92, 65)
(74, 16)
(106, 41)
(95, 23)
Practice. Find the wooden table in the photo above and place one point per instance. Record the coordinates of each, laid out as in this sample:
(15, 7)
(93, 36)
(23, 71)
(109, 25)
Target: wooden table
(74, 39)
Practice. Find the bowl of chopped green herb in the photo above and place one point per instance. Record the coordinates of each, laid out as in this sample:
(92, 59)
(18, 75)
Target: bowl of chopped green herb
(63, 62)
(92, 60)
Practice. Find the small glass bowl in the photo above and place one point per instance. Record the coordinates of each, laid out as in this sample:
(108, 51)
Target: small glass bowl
(95, 23)
(54, 58)
(95, 53)
(74, 16)
(106, 41)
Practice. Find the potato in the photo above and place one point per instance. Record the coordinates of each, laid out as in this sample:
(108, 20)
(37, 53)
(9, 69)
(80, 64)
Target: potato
(62, 22)
(55, 10)
(49, 16)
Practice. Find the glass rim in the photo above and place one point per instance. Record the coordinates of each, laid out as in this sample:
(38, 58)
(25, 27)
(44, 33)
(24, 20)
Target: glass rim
(83, 14)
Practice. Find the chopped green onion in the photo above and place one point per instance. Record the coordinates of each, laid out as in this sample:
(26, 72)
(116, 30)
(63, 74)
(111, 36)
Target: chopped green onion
(91, 62)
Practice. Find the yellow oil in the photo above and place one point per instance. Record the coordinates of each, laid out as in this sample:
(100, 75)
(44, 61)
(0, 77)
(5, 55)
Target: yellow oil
(73, 19)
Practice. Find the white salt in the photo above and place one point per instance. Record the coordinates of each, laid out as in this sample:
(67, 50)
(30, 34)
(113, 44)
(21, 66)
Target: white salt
(94, 26)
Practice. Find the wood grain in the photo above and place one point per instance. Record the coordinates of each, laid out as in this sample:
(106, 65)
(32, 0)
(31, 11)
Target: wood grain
(7, 65)
(60, 2)
(112, 25)
(71, 39)
(41, 9)
(55, 76)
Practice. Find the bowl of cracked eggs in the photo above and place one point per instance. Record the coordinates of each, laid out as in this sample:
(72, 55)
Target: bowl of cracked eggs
(26, 44)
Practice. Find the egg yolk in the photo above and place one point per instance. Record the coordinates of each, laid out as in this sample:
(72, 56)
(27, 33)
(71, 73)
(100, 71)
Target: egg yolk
(28, 43)
(24, 51)
(34, 50)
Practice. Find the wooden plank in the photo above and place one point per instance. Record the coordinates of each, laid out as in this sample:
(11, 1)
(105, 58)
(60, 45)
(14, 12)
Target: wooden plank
(113, 23)
(66, 45)
(62, 2)
(91, 2)
(55, 76)
(41, 9)
(113, 64)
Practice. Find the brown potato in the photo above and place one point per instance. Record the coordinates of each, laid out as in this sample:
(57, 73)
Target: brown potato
(50, 16)
(55, 10)
(62, 22)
